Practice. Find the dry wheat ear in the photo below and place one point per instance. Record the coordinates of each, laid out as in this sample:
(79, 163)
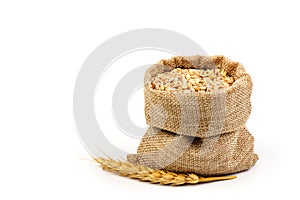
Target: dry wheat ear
(147, 174)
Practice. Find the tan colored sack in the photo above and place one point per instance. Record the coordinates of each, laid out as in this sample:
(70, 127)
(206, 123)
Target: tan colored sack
(200, 132)
(198, 114)
(229, 153)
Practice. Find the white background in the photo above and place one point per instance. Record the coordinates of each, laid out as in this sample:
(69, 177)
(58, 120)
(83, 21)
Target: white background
(43, 45)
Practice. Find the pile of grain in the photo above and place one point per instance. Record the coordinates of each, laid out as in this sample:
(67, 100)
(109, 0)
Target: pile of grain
(192, 80)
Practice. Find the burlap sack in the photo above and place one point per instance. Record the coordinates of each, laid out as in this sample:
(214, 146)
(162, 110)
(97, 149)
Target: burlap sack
(225, 154)
(199, 114)
(198, 132)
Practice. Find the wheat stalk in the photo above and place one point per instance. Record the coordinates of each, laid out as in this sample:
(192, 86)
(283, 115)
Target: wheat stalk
(143, 173)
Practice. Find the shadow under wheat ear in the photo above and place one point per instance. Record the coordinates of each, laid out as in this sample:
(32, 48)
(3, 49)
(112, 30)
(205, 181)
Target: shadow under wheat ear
(147, 174)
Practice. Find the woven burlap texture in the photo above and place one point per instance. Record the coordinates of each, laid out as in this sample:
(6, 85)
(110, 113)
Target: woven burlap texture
(198, 132)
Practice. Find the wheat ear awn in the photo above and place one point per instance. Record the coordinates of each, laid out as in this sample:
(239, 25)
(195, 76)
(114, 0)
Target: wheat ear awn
(147, 174)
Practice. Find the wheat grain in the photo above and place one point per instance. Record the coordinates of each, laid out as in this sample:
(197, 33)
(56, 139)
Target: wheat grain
(195, 80)
(147, 174)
